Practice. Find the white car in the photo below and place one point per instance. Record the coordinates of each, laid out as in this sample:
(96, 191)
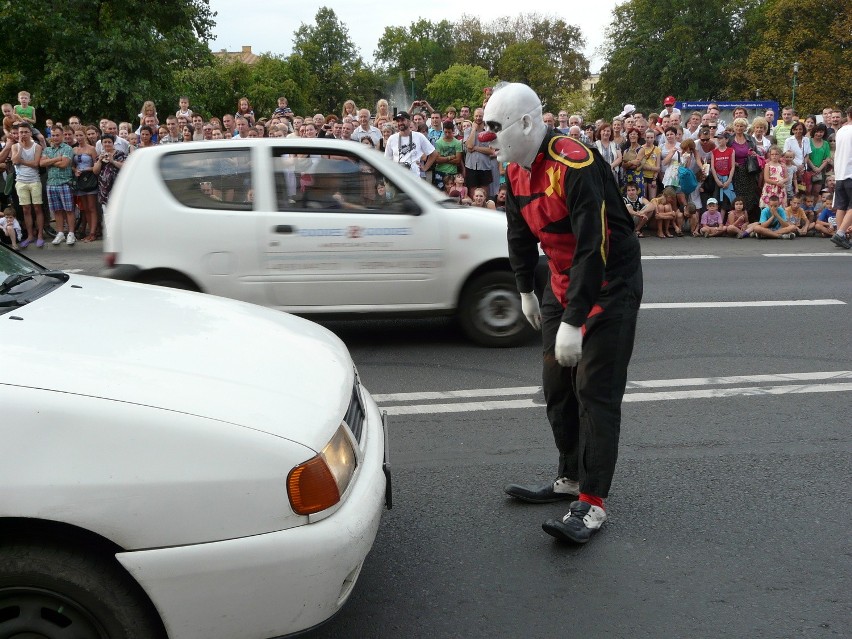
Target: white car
(314, 227)
(176, 465)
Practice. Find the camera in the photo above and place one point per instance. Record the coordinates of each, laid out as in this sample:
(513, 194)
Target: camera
(407, 165)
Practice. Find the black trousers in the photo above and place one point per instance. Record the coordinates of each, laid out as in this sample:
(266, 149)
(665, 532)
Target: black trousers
(584, 402)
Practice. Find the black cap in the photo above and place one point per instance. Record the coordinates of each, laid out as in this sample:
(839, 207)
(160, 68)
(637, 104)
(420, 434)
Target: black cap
(402, 115)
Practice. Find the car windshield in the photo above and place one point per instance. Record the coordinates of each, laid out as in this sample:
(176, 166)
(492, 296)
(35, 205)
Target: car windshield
(22, 280)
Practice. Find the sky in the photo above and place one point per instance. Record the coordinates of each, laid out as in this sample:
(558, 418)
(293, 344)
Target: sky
(270, 27)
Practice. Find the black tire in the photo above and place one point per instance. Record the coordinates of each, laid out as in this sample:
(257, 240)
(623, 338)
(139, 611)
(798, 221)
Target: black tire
(49, 591)
(490, 311)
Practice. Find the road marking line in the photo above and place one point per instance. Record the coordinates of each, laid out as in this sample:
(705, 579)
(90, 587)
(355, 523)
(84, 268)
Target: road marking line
(840, 254)
(680, 257)
(661, 305)
(513, 404)
(647, 383)
(457, 394)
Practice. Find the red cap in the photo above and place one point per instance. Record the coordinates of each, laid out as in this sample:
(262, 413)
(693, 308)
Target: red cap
(669, 100)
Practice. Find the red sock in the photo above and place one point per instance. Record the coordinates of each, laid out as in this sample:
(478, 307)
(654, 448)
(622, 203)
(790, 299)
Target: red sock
(592, 499)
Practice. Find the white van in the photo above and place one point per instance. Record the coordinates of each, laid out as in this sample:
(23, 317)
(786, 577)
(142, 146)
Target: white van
(312, 227)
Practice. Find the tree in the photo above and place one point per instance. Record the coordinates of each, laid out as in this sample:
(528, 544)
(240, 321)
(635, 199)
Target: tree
(816, 35)
(425, 46)
(563, 45)
(681, 48)
(101, 58)
(330, 56)
(527, 62)
(460, 84)
(542, 52)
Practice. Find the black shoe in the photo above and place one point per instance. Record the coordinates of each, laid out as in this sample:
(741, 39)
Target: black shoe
(560, 490)
(582, 521)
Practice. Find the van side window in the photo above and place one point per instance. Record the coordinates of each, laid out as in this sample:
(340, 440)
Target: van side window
(210, 179)
(325, 182)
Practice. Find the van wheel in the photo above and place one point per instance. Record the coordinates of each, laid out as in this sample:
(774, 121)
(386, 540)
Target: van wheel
(490, 311)
(48, 591)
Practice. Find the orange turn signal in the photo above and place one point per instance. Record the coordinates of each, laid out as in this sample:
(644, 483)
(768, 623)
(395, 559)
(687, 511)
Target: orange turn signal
(311, 487)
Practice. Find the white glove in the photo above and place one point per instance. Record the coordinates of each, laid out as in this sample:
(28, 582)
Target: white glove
(531, 309)
(569, 345)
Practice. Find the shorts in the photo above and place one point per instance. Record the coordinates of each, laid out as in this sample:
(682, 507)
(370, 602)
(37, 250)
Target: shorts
(474, 178)
(60, 198)
(843, 195)
(29, 193)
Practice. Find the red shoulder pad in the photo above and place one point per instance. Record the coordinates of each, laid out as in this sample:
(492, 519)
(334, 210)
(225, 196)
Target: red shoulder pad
(569, 152)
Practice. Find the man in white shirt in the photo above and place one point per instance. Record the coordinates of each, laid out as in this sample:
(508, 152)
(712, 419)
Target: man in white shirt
(843, 182)
(410, 148)
(365, 129)
(120, 143)
(669, 106)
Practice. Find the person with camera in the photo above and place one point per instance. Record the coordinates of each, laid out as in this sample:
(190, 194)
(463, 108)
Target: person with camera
(409, 148)
(480, 157)
(107, 166)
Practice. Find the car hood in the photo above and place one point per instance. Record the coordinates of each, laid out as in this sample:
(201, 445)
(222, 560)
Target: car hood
(187, 352)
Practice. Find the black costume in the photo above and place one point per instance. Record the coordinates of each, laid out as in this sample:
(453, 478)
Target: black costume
(570, 203)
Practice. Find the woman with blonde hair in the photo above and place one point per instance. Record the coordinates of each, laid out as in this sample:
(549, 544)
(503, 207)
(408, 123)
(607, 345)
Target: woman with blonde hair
(745, 183)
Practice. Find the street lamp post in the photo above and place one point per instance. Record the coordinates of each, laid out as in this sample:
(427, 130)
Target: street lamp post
(411, 73)
(795, 78)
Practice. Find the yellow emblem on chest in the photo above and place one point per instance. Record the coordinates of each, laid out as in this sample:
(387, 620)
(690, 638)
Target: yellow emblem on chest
(554, 174)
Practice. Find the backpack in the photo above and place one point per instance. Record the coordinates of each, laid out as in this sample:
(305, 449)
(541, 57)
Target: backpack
(687, 180)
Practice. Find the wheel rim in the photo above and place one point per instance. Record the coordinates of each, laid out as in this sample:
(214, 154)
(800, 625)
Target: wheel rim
(498, 312)
(37, 613)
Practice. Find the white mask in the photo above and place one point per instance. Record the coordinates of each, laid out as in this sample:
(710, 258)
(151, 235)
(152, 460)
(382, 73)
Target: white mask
(514, 113)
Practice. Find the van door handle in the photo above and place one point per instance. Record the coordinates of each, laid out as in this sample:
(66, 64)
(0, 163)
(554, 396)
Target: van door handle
(285, 229)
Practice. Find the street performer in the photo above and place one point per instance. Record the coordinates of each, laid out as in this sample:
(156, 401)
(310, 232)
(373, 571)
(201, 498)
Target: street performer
(562, 194)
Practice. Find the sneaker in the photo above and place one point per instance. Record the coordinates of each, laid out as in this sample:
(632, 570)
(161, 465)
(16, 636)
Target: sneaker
(582, 521)
(560, 490)
(788, 236)
(25, 243)
(39, 243)
(71, 239)
(841, 240)
(744, 234)
(58, 239)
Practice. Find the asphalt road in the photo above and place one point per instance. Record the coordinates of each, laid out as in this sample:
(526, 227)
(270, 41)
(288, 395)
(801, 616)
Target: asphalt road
(729, 514)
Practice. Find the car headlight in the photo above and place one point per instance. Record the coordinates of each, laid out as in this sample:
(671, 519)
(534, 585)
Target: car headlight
(318, 483)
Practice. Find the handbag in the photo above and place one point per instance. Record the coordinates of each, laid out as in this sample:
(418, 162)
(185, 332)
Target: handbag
(688, 181)
(671, 176)
(87, 181)
(752, 164)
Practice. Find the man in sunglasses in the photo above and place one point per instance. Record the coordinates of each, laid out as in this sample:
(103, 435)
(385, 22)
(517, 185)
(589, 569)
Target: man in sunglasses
(562, 195)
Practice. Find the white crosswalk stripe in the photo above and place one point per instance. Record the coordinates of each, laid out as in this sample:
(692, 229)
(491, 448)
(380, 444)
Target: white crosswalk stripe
(698, 388)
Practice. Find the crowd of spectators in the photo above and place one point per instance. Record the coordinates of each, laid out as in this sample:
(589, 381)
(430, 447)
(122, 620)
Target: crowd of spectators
(757, 176)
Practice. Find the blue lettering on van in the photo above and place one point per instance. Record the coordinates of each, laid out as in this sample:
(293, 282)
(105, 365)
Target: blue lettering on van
(322, 232)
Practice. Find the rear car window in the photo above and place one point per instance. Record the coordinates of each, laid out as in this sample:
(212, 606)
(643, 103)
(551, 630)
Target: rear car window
(210, 179)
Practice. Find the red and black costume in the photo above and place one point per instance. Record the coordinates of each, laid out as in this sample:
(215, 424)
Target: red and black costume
(570, 203)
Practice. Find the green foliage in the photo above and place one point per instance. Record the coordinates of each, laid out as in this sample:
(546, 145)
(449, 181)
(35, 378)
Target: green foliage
(216, 89)
(460, 84)
(101, 58)
(680, 48)
(816, 35)
(330, 56)
(424, 46)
